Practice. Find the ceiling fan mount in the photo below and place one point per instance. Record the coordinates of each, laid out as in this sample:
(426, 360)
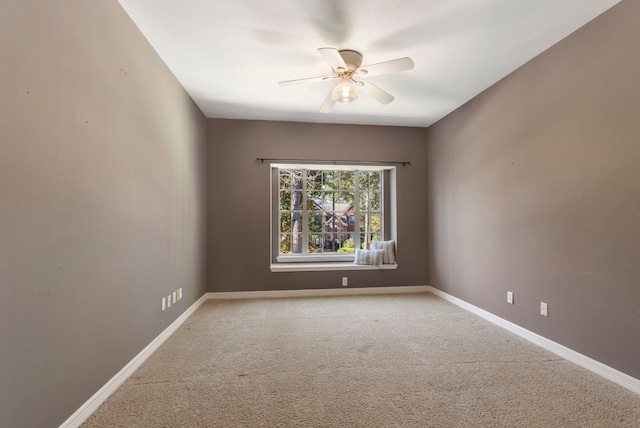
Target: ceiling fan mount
(353, 59)
(346, 65)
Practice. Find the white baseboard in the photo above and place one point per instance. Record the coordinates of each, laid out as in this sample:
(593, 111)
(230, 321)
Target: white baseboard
(274, 294)
(622, 379)
(83, 413)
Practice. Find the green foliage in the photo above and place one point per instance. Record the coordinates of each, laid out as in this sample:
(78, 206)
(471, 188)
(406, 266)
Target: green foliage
(349, 243)
(348, 246)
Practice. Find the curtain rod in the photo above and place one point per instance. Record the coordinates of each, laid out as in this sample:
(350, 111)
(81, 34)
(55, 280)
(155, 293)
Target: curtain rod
(335, 162)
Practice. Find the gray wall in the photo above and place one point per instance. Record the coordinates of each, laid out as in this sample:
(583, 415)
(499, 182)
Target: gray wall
(238, 198)
(101, 202)
(534, 187)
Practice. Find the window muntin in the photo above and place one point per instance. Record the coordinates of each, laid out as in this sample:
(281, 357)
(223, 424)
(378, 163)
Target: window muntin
(325, 212)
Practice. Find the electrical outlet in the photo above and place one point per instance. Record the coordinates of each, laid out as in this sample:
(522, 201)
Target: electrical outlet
(345, 281)
(543, 309)
(164, 303)
(510, 297)
(169, 301)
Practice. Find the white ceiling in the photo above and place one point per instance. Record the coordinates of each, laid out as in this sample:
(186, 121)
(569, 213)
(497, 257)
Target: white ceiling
(230, 54)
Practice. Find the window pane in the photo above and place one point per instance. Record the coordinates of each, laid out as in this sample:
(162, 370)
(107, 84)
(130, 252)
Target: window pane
(311, 204)
(296, 200)
(296, 179)
(296, 243)
(285, 179)
(364, 223)
(341, 237)
(296, 222)
(315, 223)
(329, 199)
(348, 245)
(285, 244)
(315, 199)
(328, 180)
(322, 241)
(347, 179)
(315, 243)
(347, 199)
(339, 177)
(375, 223)
(285, 222)
(291, 178)
(364, 202)
(314, 180)
(332, 221)
(374, 180)
(370, 223)
(363, 180)
(331, 243)
(285, 200)
(374, 201)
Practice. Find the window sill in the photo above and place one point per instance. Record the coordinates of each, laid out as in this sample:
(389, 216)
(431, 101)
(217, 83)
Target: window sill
(336, 258)
(311, 267)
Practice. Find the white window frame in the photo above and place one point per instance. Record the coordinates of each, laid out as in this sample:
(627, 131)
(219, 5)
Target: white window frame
(320, 262)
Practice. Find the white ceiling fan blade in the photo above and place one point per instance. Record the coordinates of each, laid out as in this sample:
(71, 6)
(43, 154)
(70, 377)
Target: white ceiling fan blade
(328, 103)
(400, 64)
(374, 92)
(306, 80)
(333, 57)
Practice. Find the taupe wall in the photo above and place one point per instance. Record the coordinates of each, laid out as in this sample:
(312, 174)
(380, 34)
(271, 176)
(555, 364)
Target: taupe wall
(534, 187)
(238, 198)
(101, 202)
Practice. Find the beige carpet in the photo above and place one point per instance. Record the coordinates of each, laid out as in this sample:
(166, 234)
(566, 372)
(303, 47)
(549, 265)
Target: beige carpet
(372, 361)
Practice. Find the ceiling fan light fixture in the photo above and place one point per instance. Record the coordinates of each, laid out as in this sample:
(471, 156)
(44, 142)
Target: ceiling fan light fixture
(345, 91)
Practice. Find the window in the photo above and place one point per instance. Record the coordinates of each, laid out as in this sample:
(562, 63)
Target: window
(323, 213)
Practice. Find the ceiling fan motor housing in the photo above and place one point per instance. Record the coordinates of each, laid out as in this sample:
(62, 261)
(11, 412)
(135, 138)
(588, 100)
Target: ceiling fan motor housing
(353, 59)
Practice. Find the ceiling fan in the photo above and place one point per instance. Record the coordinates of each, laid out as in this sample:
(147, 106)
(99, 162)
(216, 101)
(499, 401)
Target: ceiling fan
(346, 67)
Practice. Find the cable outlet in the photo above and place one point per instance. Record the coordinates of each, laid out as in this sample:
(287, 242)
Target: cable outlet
(543, 309)
(510, 297)
(345, 281)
